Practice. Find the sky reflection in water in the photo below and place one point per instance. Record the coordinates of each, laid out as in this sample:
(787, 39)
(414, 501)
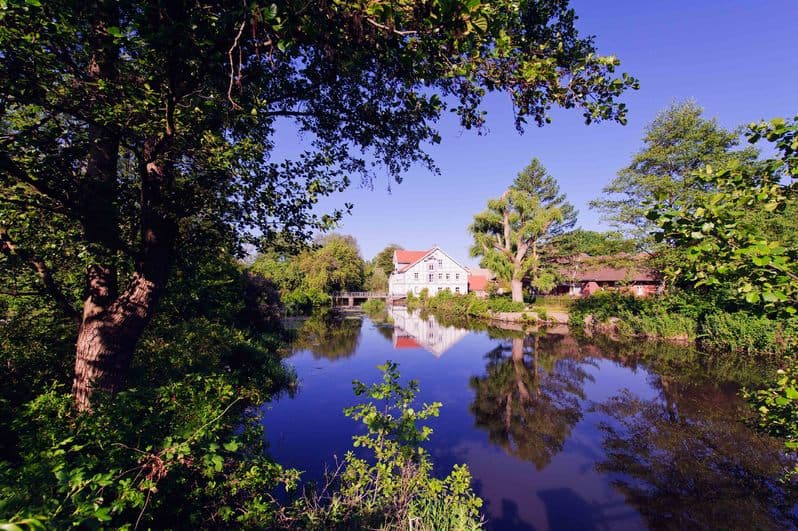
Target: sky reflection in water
(558, 433)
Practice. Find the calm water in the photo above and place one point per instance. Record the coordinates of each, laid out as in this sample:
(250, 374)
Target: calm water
(558, 433)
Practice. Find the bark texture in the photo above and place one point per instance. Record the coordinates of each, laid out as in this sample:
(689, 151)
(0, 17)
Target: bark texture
(517, 290)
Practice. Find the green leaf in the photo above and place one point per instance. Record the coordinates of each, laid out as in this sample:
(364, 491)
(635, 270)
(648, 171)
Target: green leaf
(114, 31)
(231, 446)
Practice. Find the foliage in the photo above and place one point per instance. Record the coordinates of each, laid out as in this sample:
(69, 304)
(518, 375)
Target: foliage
(177, 454)
(129, 128)
(726, 249)
(307, 278)
(653, 317)
(449, 306)
(377, 281)
(748, 333)
(373, 306)
(592, 243)
(394, 488)
(511, 234)
(334, 266)
(384, 259)
(777, 408)
(677, 143)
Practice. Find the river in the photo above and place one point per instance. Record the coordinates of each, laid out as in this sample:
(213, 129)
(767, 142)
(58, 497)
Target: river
(559, 432)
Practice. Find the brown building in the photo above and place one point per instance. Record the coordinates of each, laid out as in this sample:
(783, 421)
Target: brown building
(584, 275)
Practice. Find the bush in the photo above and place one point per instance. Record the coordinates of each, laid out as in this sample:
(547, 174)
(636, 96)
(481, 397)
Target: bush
(747, 333)
(303, 301)
(395, 489)
(505, 305)
(777, 408)
(373, 306)
(662, 325)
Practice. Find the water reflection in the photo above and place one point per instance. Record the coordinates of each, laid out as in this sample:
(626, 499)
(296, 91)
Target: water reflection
(529, 400)
(412, 330)
(559, 432)
(328, 335)
(689, 466)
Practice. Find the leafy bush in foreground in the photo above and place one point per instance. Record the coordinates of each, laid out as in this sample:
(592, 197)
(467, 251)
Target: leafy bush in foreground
(777, 409)
(394, 489)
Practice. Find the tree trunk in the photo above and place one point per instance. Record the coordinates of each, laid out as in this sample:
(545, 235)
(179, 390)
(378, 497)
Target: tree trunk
(112, 326)
(517, 289)
(107, 338)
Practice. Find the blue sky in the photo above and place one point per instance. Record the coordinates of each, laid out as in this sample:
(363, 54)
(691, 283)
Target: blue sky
(737, 59)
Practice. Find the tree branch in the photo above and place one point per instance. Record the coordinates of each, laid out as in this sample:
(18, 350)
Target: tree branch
(38, 266)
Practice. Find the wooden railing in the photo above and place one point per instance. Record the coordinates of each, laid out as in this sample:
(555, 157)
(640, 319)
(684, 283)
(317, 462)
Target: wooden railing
(359, 294)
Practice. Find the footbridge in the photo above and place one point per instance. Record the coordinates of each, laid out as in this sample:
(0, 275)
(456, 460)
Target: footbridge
(351, 299)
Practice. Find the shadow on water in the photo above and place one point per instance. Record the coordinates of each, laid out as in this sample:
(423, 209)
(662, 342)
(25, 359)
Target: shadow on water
(510, 519)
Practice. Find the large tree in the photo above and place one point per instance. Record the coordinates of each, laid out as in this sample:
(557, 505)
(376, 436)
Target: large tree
(512, 233)
(384, 259)
(334, 266)
(678, 142)
(739, 241)
(128, 127)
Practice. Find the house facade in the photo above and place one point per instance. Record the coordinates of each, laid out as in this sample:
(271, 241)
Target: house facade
(433, 269)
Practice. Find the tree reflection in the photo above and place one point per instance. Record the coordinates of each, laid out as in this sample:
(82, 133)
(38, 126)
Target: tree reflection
(530, 401)
(329, 336)
(686, 462)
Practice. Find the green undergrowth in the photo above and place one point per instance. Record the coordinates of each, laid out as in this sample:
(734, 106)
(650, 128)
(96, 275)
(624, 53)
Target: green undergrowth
(685, 317)
(446, 304)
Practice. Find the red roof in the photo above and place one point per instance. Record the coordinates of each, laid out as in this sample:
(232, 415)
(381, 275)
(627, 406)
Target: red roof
(477, 283)
(408, 257)
(406, 342)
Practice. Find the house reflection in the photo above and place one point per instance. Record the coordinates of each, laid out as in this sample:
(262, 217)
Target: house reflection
(412, 331)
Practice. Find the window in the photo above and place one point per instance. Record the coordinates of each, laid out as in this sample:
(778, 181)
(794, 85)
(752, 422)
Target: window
(415, 275)
(457, 276)
(447, 276)
(431, 266)
(440, 263)
(440, 276)
(457, 289)
(431, 276)
(440, 288)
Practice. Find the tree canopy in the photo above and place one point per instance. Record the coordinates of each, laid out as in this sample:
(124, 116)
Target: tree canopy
(677, 143)
(593, 243)
(727, 246)
(128, 128)
(511, 233)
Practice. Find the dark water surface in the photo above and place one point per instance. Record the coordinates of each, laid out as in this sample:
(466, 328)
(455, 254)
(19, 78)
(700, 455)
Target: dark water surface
(559, 433)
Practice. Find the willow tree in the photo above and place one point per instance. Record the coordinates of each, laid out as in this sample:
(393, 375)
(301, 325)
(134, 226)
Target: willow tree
(128, 127)
(511, 235)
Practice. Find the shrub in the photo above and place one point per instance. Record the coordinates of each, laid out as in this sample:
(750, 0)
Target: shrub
(303, 301)
(395, 489)
(373, 306)
(744, 332)
(662, 325)
(777, 408)
(505, 305)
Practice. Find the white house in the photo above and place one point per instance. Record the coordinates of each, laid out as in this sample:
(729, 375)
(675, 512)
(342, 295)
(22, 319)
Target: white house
(432, 269)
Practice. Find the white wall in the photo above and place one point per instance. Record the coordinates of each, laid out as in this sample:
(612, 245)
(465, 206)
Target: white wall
(436, 272)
